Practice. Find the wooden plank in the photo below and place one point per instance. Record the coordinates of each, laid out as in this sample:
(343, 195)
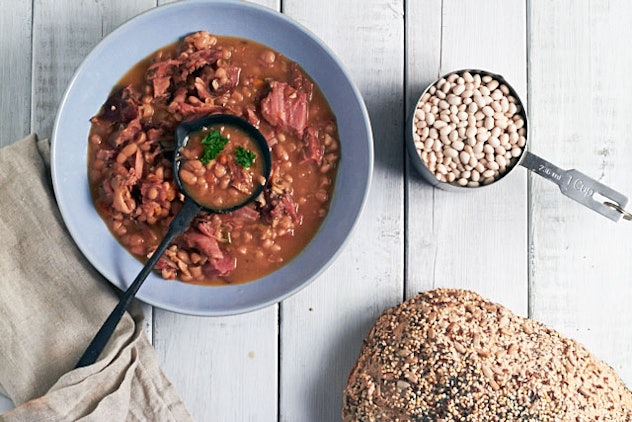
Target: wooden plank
(579, 67)
(15, 70)
(322, 327)
(475, 240)
(58, 51)
(64, 32)
(224, 368)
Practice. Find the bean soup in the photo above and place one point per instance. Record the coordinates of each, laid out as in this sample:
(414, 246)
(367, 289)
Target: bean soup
(131, 145)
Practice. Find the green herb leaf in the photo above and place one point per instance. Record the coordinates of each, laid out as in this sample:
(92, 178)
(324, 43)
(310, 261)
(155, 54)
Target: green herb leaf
(213, 144)
(244, 157)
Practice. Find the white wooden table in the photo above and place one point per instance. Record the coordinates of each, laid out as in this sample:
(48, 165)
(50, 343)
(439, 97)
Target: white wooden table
(519, 243)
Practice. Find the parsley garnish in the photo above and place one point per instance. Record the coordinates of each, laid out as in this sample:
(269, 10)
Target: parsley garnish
(244, 157)
(213, 144)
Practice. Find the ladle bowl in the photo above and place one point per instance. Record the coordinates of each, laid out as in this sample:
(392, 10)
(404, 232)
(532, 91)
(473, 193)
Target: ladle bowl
(181, 220)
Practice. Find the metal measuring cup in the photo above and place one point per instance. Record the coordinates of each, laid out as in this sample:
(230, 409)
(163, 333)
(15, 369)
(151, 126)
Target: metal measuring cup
(572, 183)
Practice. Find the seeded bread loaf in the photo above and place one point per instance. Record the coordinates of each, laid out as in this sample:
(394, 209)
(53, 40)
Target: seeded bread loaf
(451, 355)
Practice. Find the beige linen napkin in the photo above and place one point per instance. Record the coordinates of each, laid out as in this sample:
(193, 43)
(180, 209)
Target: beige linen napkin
(52, 302)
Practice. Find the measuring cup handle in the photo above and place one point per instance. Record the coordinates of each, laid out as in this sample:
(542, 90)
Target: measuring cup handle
(580, 187)
(542, 167)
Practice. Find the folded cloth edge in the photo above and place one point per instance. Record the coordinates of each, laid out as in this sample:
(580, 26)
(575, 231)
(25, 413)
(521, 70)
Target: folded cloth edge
(63, 280)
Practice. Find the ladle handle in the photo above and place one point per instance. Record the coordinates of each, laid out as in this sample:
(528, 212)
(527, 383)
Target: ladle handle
(179, 223)
(580, 187)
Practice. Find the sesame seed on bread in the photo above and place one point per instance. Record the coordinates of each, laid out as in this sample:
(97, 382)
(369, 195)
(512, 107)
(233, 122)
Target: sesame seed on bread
(451, 355)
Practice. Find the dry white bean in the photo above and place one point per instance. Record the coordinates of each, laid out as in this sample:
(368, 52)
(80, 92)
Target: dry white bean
(489, 123)
(500, 150)
(513, 138)
(458, 145)
(438, 124)
(519, 123)
(479, 100)
(482, 136)
(492, 84)
(471, 120)
(458, 89)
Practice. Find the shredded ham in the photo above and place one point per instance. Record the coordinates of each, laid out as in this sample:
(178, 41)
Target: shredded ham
(285, 107)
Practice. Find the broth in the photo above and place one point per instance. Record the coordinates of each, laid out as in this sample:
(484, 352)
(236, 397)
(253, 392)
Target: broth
(132, 139)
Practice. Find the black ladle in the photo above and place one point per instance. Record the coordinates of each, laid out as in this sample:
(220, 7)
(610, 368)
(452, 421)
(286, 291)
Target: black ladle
(180, 222)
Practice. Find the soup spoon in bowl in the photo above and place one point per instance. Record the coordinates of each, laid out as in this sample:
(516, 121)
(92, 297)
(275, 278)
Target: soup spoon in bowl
(199, 143)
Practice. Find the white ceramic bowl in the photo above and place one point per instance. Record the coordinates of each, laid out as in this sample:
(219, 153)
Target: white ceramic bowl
(141, 36)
